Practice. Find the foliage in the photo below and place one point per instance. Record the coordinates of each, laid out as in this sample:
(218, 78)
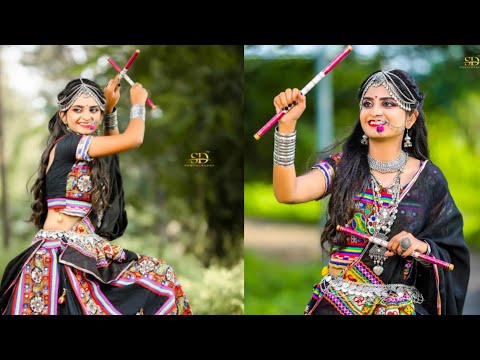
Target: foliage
(260, 202)
(273, 287)
(218, 290)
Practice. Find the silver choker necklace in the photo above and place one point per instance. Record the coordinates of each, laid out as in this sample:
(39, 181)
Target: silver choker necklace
(388, 166)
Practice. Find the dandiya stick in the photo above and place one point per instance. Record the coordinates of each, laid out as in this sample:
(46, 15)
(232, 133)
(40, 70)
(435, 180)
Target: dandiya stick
(384, 243)
(304, 91)
(128, 64)
(127, 78)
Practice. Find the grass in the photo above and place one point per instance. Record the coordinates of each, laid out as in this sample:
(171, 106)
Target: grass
(273, 287)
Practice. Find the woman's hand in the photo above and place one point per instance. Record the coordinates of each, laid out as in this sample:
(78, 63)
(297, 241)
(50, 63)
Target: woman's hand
(138, 95)
(415, 245)
(112, 94)
(287, 99)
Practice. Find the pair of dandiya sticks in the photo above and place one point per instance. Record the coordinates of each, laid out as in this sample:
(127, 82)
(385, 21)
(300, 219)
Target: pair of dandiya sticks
(343, 229)
(123, 73)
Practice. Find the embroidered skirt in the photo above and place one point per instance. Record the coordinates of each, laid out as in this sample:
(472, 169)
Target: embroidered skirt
(360, 292)
(76, 272)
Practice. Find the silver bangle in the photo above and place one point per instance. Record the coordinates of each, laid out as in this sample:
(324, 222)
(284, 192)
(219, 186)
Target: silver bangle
(137, 111)
(284, 148)
(429, 251)
(110, 121)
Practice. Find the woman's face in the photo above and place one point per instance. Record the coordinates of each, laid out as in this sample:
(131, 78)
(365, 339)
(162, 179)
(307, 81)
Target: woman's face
(84, 116)
(379, 109)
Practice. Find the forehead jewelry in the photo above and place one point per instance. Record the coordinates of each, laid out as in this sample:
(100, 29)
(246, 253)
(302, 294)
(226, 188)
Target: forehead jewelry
(84, 90)
(385, 78)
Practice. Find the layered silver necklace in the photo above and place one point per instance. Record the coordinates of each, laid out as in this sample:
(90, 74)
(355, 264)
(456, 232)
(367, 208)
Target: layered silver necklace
(385, 216)
(388, 166)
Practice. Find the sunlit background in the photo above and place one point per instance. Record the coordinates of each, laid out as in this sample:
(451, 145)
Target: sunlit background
(191, 217)
(282, 242)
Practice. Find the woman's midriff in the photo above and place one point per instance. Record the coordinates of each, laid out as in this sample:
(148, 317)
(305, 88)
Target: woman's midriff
(67, 221)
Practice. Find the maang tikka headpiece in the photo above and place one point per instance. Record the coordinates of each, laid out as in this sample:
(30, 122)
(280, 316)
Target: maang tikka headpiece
(82, 89)
(384, 78)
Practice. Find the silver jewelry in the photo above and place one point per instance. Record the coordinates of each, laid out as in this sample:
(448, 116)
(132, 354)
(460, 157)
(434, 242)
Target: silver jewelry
(284, 148)
(82, 89)
(364, 140)
(385, 216)
(408, 142)
(405, 243)
(377, 254)
(370, 292)
(137, 111)
(385, 78)
(388, 166)
(110, 121)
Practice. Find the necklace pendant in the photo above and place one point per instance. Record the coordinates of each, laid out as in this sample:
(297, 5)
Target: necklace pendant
(377, 254)
(378, 270)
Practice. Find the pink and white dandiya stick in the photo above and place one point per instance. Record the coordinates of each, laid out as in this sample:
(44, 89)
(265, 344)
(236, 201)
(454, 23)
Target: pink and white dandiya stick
(384, 243)
(304, 91)
(127, 78)
(128, 64)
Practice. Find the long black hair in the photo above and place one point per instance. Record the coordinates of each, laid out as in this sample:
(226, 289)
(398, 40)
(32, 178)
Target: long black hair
(352, 175)
(99, 166)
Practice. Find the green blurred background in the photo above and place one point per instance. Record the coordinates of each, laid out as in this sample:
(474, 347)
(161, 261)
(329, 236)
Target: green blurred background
(192, 217)
(282, 242)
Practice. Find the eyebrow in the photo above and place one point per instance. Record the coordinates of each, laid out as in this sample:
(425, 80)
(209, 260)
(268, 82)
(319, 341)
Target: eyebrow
(382, 98)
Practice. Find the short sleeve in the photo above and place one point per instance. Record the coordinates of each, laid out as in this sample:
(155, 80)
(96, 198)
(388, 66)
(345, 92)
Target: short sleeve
(82, 148)
(67, 147)
(327, 167)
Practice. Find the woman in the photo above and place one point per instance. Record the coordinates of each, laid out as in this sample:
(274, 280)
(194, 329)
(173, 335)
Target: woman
(70, 267)
(381, 184)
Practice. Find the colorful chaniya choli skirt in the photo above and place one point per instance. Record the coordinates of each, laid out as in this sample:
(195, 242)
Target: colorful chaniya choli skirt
(359, 291)
(77, 272)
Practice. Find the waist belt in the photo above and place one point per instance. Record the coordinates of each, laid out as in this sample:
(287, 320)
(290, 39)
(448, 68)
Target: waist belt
(370, 292)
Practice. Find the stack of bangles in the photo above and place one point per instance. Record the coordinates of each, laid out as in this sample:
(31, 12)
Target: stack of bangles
(110, 121)
(284, 148)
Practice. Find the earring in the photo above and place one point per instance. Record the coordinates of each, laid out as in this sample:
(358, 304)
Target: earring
(407, 142)
(68, 128)
(364, 140)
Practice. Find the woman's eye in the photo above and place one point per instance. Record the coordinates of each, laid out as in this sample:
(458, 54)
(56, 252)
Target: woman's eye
(389, 104)
(366, 103)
